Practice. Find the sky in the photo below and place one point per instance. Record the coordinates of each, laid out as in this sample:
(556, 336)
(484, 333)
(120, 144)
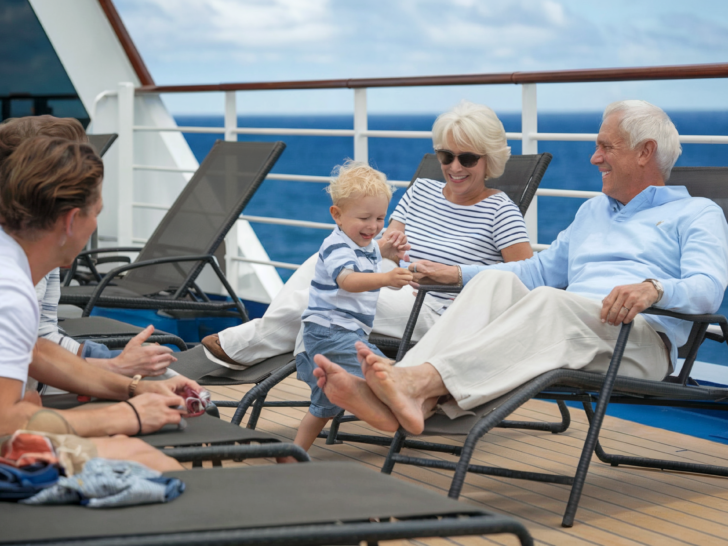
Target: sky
(222, 41)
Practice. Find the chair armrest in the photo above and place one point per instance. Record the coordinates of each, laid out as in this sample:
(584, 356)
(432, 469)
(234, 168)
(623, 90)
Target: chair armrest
(207, 258)
(86, 257)
(700, 328)
(424, 288)
(706, 318)
(105, 250)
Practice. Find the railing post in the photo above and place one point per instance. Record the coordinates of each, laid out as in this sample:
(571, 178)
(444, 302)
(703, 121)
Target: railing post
(361, 141)
(231, 239)
(125, 147)
(529, 126)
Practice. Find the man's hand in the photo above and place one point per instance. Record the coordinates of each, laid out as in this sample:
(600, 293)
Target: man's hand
(146, 361)
(624, 302)
(393, 246)
(155, 411)
(169, 387)
(398, 277)
(427, 272)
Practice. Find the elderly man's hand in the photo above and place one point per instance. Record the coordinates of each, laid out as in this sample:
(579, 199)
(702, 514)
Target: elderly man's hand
(427, 272)
(624, 302)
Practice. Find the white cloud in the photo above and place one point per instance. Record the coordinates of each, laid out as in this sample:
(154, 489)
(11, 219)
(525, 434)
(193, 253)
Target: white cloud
(180, 25)
(211, 41)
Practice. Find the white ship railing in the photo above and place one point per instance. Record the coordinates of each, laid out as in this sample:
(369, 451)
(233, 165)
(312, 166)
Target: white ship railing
(529, 135)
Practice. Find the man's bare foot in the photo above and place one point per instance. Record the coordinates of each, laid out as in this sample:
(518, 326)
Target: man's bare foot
(363, 352)
(352, 393)
(212, 344)
(395, 387)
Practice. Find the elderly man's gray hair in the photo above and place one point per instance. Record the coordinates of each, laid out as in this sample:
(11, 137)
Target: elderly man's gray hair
(644, 121)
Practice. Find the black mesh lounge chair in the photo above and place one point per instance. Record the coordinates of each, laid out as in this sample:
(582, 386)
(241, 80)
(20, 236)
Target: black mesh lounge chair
(308, 504)
(163, 275)
(585, 387)
(520, 180)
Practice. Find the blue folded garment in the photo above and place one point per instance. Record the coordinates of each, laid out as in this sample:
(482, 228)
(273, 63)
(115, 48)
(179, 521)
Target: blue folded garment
(21, 483)
(105, 483)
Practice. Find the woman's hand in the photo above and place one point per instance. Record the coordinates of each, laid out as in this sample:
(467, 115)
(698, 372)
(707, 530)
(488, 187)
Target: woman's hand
(427, 272)
(398, 277)
(146, 361)
(393, 244)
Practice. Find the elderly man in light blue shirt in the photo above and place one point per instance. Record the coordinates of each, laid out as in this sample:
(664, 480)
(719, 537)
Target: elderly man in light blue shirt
(640, 244)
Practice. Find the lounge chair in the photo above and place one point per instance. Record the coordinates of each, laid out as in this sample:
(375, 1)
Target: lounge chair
(520, 180)
(585, 387)
(164, 274)
(312, 503)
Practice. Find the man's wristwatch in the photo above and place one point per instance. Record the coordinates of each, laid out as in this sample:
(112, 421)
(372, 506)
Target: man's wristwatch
(133, 385)
(658, 286)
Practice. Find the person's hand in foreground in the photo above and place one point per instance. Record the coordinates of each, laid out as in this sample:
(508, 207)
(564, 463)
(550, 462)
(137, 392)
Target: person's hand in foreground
(154, 410)
(625, 302)
(173, 386)
(147, 361)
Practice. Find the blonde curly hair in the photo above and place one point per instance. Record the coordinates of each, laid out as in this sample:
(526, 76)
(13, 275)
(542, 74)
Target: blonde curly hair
(357, 179)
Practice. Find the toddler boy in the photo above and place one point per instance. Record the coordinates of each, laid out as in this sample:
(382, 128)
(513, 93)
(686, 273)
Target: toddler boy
(345, 286)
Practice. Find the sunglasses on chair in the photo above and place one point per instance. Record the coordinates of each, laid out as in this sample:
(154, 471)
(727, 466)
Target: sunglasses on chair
(467, 159)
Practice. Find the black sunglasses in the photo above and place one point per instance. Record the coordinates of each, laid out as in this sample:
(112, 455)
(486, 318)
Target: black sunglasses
(467, 159)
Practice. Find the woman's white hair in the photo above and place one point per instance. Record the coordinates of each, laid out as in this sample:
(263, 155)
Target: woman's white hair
(474, 128)
(643, 121)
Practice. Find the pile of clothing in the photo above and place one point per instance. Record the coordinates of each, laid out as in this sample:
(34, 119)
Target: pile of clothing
(42, 468)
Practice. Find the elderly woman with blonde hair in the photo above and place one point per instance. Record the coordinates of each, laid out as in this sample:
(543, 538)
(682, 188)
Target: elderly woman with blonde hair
(448, 224)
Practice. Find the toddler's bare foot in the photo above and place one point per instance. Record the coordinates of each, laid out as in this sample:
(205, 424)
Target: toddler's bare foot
(352, 393)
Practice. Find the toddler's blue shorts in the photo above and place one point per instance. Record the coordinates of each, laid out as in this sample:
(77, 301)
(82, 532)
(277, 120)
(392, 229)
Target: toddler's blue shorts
(336, 344)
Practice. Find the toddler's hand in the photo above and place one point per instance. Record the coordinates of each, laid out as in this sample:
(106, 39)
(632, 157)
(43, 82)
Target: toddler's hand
(398, 277)
(394, 246)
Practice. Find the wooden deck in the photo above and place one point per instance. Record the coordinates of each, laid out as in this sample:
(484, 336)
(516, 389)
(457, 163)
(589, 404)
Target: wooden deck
(620, 506)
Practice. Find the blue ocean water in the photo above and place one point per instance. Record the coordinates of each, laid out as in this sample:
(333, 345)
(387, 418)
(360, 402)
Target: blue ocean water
(398, 159)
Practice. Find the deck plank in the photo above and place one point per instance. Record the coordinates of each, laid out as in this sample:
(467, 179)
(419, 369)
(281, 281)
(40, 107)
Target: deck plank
(620, 506)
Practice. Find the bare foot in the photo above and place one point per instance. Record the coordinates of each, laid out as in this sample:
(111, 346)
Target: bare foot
(394, 387)
(352, 393)
(363, 352)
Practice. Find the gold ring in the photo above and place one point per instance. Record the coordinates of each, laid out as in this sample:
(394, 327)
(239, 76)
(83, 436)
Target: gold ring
(625, 308)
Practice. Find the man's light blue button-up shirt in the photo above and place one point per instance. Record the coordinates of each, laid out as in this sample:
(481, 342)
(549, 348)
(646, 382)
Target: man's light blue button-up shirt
(662, 233)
